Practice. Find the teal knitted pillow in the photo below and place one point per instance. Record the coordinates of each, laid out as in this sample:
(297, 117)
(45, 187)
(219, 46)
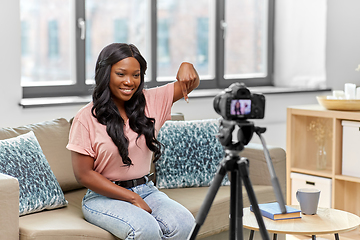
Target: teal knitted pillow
(21, 157)
(191, 156)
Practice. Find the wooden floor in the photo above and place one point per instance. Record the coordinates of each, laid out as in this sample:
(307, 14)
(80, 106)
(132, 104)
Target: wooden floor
(353, 235)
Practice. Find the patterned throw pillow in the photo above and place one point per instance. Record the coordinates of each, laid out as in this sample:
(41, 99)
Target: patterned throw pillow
(21, 157)
(192, 154)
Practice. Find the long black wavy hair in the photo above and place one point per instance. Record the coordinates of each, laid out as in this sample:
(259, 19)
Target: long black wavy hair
(105, 110)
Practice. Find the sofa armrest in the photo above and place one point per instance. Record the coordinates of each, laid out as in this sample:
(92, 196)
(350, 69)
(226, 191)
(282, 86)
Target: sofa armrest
(9, 207)
(259, 172)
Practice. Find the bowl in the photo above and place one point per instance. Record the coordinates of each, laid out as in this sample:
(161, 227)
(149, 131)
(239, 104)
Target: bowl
(339, 104)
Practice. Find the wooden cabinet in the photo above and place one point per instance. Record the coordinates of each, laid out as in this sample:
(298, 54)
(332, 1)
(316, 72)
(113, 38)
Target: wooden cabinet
(302, 147)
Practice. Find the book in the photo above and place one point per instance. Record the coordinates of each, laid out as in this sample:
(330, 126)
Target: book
(273, 211)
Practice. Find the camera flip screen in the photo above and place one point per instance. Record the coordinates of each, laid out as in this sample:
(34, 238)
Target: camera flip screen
(240, 107)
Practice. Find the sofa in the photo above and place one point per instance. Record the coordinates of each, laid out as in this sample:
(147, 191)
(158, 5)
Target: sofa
(64, 220)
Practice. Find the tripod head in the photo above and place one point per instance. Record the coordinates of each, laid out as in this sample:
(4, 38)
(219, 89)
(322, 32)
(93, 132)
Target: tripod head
(244, 133)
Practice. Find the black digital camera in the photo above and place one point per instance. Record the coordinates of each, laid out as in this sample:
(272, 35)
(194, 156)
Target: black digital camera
(237, 103)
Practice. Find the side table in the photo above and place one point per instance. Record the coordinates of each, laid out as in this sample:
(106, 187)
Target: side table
(326, 221)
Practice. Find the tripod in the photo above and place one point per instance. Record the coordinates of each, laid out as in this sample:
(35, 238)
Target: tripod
(239, 169)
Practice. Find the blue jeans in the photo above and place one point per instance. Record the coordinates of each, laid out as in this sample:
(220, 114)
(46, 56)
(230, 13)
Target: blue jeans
(168, 220)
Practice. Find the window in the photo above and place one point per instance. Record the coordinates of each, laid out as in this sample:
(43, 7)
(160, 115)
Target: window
(179, 32)
(47, 63)
(226, 40)
(245, 43)
(125, 21)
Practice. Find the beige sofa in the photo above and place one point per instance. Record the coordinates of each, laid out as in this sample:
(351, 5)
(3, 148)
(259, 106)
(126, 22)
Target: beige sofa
(68, 222)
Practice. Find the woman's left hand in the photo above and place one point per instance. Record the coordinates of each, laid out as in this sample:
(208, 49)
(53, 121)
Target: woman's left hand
(187, 80)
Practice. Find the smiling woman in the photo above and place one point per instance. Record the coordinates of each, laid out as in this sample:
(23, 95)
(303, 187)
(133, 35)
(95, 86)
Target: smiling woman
(113, 139)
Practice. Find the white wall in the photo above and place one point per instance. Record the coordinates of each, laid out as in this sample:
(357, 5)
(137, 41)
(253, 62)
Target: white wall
(10, 93)
(342, 56)
(343, 43)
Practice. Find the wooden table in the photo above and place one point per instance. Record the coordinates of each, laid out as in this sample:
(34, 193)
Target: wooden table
(326, 221)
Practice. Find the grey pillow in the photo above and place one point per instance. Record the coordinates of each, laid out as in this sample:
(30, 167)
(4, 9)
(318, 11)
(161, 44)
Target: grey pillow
(192, 154)
(53, 136)
(21, 157)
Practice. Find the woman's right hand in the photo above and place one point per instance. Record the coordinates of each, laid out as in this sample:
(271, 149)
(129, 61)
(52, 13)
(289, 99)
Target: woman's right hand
(139, 202)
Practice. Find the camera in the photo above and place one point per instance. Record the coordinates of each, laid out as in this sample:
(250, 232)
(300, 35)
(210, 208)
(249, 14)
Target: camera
(237, 103)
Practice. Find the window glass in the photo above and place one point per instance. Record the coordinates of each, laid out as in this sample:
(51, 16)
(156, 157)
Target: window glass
(183, 34)
(246, 38)
(45, 42)
(109, 21)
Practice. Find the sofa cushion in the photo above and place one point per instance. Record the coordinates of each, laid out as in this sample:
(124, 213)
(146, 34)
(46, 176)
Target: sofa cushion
(65, 223)
(21, 157)
(191, 156)
(53, 137)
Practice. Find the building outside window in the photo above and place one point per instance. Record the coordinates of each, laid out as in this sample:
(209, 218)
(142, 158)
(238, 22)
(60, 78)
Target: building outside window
(24, 38)
(202, 41)
(163, 44)
(121, 30)
(226, 40)
(53, 39)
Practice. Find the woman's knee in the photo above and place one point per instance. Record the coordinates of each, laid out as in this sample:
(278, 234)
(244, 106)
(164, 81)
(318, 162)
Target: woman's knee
(123, 220)
(147, 230)
(143, 227)
(177, 225)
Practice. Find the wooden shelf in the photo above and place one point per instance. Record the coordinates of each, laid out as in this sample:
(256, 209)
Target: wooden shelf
(318, 173)
(302, 143)
(347, 178)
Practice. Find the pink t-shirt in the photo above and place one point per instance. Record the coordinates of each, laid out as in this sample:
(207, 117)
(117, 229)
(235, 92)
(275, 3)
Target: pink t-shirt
(89, 137)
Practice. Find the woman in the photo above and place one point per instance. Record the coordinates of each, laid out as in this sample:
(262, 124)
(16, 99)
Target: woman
(113, 139)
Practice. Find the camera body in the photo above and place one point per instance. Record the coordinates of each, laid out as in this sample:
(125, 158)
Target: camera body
(237, 103)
